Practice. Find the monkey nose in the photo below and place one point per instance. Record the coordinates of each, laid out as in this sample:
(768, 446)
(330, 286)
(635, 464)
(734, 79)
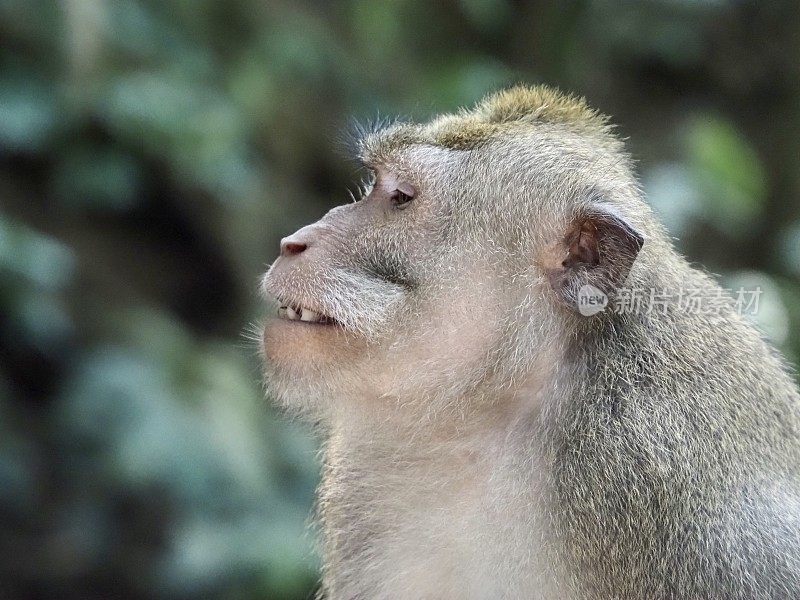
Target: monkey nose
(300, 241)
(291, 248)
(297, 243)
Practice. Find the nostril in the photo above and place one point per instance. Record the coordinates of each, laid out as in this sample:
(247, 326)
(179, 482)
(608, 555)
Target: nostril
(292, 248)
(299, 241)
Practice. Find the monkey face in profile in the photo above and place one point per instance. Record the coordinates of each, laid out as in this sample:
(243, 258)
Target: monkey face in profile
(445, 278)
(388, 296)
(361, 291)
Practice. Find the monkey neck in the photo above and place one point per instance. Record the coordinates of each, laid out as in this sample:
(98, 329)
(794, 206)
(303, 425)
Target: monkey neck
(503, 400)
(413, 461)
(401, 490)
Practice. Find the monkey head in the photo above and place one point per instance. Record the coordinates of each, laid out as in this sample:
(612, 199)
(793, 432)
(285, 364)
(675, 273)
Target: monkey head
(456, 272)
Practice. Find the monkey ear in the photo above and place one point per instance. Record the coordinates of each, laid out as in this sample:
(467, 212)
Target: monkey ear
(597, 250)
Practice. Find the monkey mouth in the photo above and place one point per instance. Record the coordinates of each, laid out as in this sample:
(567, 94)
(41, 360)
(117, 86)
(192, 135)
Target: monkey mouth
(304, 314)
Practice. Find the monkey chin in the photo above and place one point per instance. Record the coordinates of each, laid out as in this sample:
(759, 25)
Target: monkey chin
(303, 350)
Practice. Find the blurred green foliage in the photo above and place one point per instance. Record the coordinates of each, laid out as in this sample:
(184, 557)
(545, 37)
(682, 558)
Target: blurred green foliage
(152, 154)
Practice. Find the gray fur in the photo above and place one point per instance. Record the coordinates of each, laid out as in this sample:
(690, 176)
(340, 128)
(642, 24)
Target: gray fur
(482, 438)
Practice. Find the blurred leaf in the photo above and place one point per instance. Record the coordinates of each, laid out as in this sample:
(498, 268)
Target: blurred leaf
(789, 248)
(672, 191)
(194, 126)
(378, 28)
(487, 15)
(28, 114)
(728, 172)
(141, 431)
(44, 261)
(649, 29)
(463, 82)
(38, 21)
(18, 461)
(100, 178)
(42, 319)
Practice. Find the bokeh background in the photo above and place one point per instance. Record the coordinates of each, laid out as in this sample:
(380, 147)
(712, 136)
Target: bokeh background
(152, 154)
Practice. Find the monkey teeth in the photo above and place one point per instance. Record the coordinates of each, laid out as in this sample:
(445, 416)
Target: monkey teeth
(299, 313)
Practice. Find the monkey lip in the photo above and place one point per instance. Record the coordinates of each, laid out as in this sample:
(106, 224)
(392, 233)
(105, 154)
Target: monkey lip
(305, 315)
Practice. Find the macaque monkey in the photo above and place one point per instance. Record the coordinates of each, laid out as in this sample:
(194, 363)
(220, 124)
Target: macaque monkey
(486, 437)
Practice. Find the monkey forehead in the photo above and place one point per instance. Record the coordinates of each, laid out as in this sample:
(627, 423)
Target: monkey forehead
(411, 158)
(383, 144)
(516, 108)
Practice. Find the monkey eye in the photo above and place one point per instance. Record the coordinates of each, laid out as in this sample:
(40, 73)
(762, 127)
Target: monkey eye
(402, 196)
